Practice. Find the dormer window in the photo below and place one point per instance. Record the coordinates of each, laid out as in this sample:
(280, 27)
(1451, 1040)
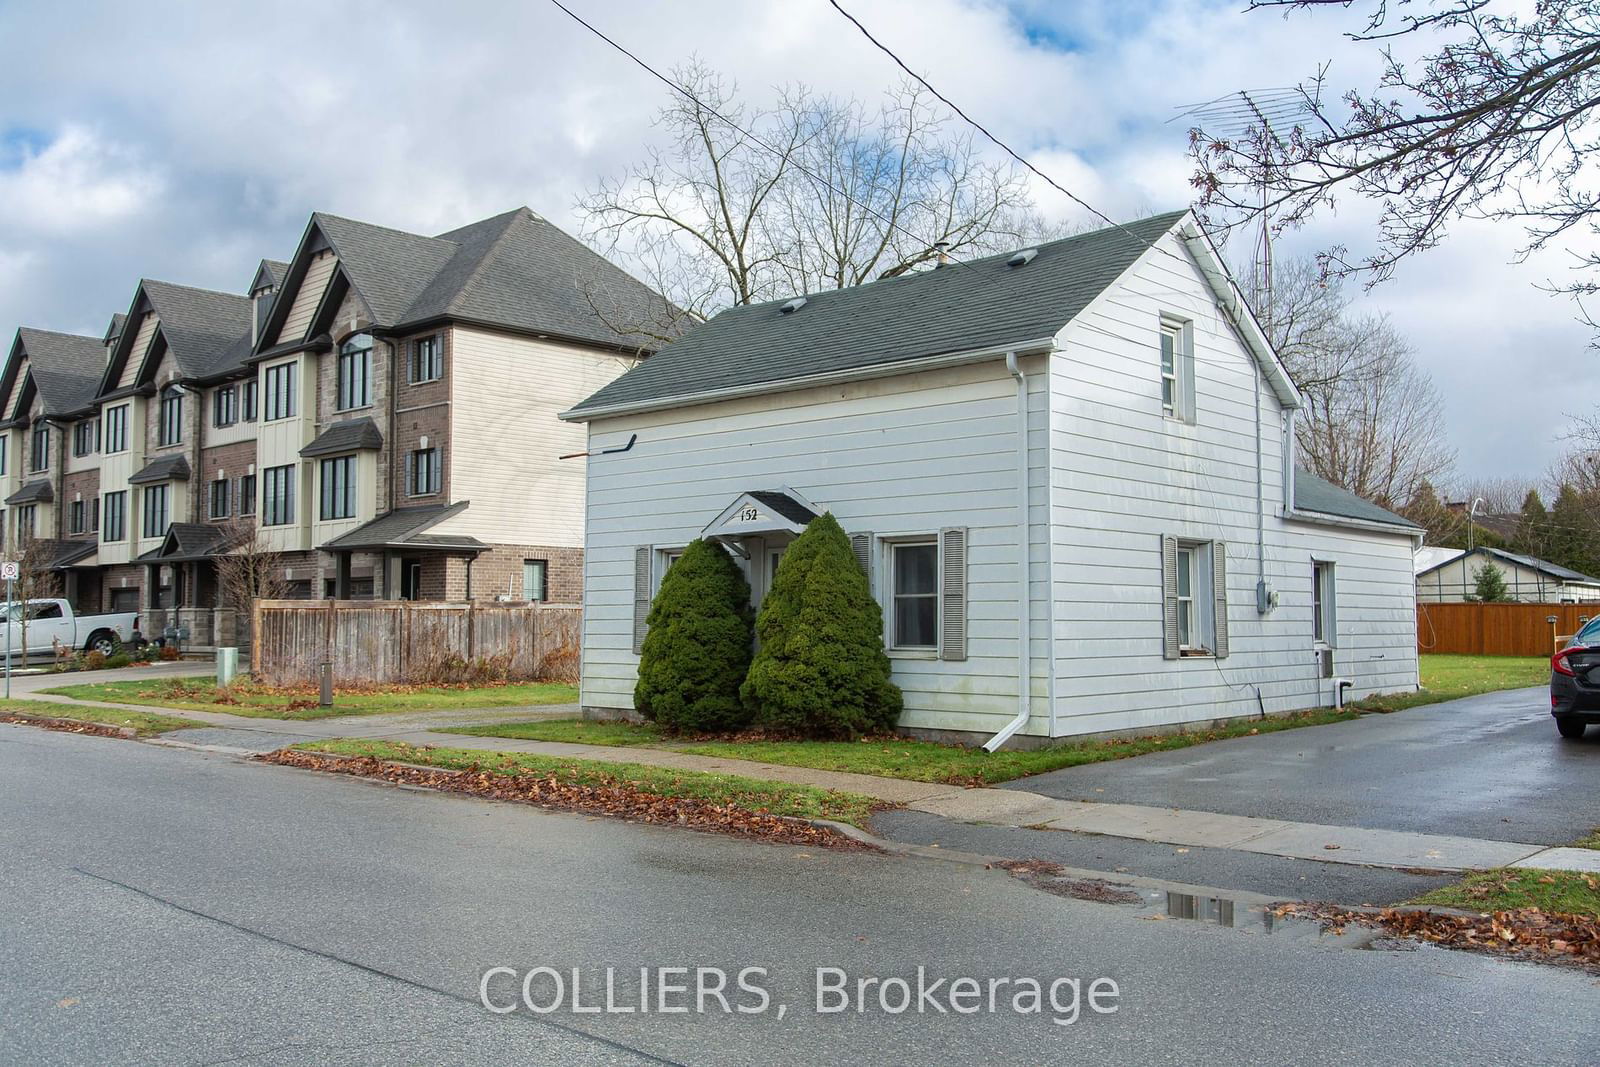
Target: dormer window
(39, 460)
(261, 306)
(355, 373)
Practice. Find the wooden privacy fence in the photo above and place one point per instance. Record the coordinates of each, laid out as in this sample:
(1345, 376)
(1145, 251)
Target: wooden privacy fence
(1497, 629)
(384, 641)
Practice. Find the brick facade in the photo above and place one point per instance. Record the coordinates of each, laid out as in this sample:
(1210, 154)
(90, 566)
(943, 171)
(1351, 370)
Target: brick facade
(498, 572)
(224, 461)
(421, 411)
(84, 485)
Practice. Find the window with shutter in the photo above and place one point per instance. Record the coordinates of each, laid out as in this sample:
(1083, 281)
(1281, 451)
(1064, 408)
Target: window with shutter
(1169, 598)
(1219, 593)
(861, 545)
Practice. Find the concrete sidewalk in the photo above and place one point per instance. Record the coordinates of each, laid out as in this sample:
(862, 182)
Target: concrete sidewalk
(1002, 807)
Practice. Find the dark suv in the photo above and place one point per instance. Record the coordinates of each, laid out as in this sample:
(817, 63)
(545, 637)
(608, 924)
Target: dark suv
(1575, 682)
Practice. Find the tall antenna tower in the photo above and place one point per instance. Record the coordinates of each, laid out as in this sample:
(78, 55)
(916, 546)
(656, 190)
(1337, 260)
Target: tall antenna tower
(1256, 115)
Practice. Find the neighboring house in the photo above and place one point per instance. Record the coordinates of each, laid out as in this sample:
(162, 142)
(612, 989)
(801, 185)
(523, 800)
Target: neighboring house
(381, 406)
(1171, 564)
(1446, 575)
(50, 490)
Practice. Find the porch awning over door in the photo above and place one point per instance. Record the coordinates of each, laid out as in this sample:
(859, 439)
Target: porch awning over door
(761, 511)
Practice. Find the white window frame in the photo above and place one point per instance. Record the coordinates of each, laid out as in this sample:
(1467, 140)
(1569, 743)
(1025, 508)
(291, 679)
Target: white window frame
(890, 546)
(1198, 605)
(1324, 586)
(665, 558)
(1179, 377)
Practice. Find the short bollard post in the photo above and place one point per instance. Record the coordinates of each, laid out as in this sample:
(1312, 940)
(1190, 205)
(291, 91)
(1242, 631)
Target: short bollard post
(327, 683)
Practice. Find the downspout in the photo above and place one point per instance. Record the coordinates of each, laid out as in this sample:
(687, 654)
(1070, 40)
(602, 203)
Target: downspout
(1261, 503)
(1025, 597)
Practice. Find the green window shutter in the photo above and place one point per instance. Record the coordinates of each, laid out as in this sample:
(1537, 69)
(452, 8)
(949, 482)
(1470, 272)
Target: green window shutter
(643, 556)
(953, 593)
(1169, 597)
(1219, 589)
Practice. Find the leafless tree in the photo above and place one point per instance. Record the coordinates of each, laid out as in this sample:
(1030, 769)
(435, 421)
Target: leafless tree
(248, 569)
(1496, 119)
(745, 204)
(35, 581)
(1500, 496)
(1372, 421)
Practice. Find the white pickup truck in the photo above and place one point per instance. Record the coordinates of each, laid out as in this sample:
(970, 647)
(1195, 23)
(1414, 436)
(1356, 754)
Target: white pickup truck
(50, 621)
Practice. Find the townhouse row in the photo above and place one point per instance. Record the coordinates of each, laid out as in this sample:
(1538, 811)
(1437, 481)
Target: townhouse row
(377, 414)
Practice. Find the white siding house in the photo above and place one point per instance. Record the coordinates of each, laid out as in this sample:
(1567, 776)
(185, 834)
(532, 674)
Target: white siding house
(1447, 575)
(1120, 379)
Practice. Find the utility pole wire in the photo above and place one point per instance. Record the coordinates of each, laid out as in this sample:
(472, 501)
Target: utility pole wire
(975, 124)
(758, 140)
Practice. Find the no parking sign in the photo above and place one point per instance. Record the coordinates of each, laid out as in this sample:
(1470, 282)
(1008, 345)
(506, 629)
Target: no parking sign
(10, 571)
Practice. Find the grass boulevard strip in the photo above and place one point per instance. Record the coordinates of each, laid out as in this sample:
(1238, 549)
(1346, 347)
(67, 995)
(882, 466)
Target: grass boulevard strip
(730, 804)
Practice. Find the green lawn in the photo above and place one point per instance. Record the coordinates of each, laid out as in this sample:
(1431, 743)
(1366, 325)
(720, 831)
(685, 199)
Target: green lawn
(1446, 677)
(144, 722)
(244, 698)
(574, 731)
(775, 798)
(1552, 892)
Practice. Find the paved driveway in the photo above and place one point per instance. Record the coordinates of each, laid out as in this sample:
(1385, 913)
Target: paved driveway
(1489, 766)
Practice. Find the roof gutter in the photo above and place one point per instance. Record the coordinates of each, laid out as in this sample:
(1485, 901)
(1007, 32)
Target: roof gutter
(807, 381)
(1321, 518)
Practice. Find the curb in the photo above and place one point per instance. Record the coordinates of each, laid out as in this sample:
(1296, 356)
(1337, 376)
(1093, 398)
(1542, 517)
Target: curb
(100, 729)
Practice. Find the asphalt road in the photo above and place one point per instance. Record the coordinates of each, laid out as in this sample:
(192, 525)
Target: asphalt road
(1489, 766)
(166, 906)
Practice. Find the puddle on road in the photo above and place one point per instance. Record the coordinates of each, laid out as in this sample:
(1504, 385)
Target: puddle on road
(1250, 919)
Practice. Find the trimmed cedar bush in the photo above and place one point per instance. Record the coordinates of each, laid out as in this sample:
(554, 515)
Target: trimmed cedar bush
(697, 648)
(820, 669)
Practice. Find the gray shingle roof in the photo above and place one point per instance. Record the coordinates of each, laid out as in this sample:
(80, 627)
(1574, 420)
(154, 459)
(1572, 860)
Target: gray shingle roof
(1534, 563)
(1312, 493)
(351, 435)
(784, 505)
(202, 327)
(395, 527)
(33, 492)
(514, 270)
(189, 541)
(66, 553)
(958, 308)
(66, 368)
(164, 469)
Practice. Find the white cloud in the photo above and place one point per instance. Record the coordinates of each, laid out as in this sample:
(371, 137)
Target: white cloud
(78, 181)
(196, 139)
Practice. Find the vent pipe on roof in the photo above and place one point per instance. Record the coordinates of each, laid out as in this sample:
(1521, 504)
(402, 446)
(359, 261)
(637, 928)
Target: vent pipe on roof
(789, 307)
(942, 250)
(1022, 258)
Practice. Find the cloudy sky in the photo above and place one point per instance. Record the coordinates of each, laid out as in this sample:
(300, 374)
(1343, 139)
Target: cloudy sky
(189, 142)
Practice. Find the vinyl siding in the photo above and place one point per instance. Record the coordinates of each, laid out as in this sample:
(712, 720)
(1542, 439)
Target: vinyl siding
(504, 442)
(141, 348)
(1457, 580)
(1123, 475)
(903, 456)
(307, 297)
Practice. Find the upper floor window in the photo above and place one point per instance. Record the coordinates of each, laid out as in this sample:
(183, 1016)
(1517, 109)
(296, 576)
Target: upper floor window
(27, 519)
(427, 359)
(115, 515)
(355, 373)
(171, 416)
(261, 307)
(39, 458)
(277, 500)
(424, 472)
(86, 437)
(155, 511)
(225, 406)
(279, 385)
(5, 442)
(338, 488)
(80, 515)
(247, 400)
(247, 494)
(115, 434)
(1177, 370)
